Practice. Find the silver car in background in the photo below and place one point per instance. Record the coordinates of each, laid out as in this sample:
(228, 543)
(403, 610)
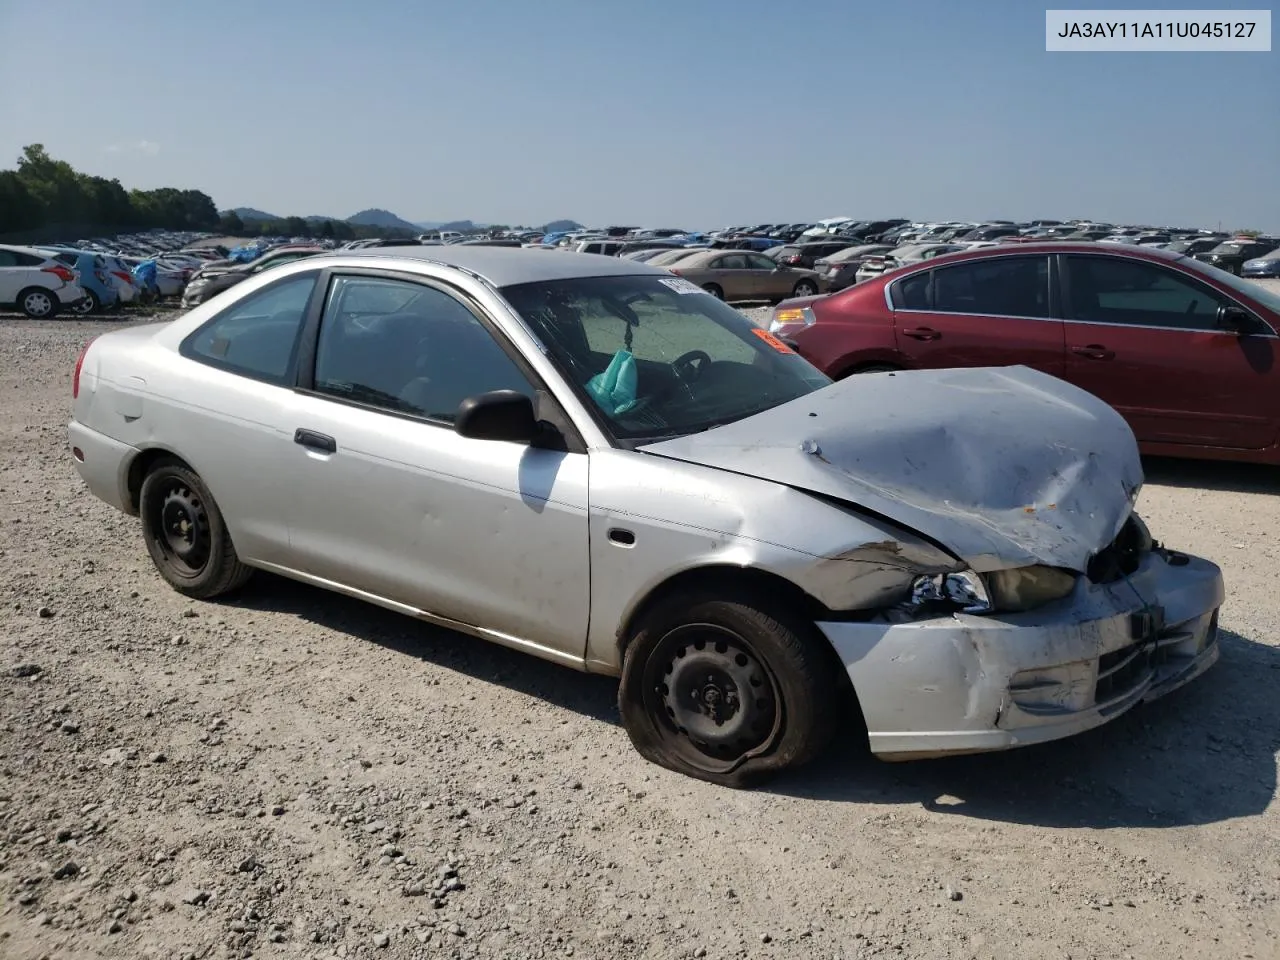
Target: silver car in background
(591, 460)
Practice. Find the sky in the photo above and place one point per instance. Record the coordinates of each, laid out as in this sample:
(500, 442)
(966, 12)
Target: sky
(694, 115)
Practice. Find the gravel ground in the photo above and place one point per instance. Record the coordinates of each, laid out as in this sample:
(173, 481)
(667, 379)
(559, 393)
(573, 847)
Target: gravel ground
(295, 774)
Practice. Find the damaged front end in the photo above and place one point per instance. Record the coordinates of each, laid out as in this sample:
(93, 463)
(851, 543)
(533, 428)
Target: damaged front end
(972, 662)
(1028, 602)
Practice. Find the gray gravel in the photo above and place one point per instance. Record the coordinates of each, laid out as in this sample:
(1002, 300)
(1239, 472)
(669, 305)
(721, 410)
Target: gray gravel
(297, 774)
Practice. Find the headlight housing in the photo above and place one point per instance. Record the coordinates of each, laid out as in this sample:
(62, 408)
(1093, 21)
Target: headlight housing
(1003, 591)
(1025, 588)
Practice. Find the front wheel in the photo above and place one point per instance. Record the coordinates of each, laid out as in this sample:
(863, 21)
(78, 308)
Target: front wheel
(185, 533)
(805, 288)
(719, 688)
(714, 289)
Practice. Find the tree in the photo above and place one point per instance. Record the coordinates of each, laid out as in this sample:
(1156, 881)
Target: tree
(297, 227)
(326, 230)
(231, 224)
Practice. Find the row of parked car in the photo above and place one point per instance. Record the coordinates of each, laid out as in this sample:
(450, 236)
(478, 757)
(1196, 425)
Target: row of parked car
(91, 276)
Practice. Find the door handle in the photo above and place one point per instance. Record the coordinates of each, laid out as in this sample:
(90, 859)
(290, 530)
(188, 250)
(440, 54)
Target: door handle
(922, 333)
(1094, 351)
(322, 443)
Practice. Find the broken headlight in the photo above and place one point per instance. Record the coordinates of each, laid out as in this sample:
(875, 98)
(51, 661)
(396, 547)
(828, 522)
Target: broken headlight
(1025, 588)
(1004, 591)
(946, 591)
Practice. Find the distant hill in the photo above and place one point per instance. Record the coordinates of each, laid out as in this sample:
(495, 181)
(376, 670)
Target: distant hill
(249, 213)
(383, 219)
(555, 226)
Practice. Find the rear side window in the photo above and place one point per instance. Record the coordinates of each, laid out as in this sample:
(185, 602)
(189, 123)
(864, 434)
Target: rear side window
(16, 258)
(914, 292)
(999, 287)
(257, 336)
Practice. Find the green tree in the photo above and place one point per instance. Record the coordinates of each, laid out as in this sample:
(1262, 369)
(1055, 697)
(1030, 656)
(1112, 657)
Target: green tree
(231, 224)
(297, 227)
(326, 230)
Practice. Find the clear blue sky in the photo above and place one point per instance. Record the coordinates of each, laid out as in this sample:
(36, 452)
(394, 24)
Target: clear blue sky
(692, 114)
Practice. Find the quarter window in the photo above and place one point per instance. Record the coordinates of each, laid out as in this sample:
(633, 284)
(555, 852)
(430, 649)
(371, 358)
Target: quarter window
(914, 292)
(734, 261)
(998, 287)
(408, 348)
(257, 337)
(757, 262)
(1136, 293)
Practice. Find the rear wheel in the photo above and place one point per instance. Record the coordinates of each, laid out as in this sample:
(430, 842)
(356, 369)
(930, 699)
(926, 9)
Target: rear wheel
(720, 688)
(185, 533)
(714, 289)
(805, 288)
(38, 303)
(90, 304)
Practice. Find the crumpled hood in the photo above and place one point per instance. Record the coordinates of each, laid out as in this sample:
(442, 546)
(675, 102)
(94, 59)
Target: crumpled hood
(1005, 466)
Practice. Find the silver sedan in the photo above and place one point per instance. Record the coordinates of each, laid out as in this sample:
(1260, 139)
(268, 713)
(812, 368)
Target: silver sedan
(596, 462)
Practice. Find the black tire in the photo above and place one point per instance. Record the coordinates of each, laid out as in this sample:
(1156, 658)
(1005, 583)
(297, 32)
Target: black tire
(878, 368)
(185, 533)
(38, 303)
(90, 304)
(714, 289)
(805, 288)
(705, 649)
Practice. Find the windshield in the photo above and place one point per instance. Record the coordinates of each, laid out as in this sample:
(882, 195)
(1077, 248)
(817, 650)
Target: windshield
(1246, 288)
(657, 357)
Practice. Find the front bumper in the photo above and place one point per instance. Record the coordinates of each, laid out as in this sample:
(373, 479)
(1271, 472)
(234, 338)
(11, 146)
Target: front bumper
(969, 684)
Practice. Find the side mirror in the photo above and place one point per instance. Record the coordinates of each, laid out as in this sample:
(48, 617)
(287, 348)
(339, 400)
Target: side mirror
(498, 415)
(1236, 318)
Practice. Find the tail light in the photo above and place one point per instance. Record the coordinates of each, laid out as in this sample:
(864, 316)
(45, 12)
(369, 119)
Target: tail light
(75, 374)
(676, 272)
(792, 260)
(122, 275)
(62, 273)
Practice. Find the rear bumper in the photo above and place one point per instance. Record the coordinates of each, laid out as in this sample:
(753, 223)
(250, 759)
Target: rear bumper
(968, 684)
(103, 464)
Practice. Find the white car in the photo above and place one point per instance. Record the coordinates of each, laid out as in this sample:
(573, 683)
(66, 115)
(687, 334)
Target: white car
(120, 277)
(36, 284)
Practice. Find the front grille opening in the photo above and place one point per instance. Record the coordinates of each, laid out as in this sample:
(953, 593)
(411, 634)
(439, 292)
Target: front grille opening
(1121, 557)
(1123, 670)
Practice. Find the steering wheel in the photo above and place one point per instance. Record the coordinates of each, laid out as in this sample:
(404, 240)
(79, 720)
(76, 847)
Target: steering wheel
(690, 366)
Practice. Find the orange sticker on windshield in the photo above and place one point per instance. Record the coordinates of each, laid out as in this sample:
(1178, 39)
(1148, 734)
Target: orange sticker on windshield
(771, 340)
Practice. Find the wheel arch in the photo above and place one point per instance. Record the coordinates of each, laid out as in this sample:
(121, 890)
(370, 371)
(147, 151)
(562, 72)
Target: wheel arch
(729, 578)
(141, 465)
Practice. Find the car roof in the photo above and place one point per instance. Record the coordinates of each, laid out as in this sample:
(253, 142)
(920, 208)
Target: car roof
(510, 266)
(1053, 246)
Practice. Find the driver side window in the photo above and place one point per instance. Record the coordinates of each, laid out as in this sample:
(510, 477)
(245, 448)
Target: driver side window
(407, 348)
(1133, 293)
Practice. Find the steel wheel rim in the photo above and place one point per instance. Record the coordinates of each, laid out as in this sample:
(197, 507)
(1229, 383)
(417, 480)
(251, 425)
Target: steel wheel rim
(807, 288)
(714, 696)
(180, 529)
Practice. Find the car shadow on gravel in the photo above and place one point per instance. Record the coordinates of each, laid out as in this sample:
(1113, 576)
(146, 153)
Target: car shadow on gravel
(1212, 475)
(1202, 754)
(591, 695)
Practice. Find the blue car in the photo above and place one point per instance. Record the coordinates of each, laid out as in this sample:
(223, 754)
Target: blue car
(100, 293)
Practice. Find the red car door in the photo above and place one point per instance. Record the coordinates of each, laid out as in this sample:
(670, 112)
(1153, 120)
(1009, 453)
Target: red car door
(991, 312)
(1147, 339)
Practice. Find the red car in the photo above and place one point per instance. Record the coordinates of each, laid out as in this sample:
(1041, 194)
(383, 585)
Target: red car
(1187, 353)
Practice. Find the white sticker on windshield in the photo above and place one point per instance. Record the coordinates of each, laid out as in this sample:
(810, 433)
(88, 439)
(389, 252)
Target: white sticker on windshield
(681, 285)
